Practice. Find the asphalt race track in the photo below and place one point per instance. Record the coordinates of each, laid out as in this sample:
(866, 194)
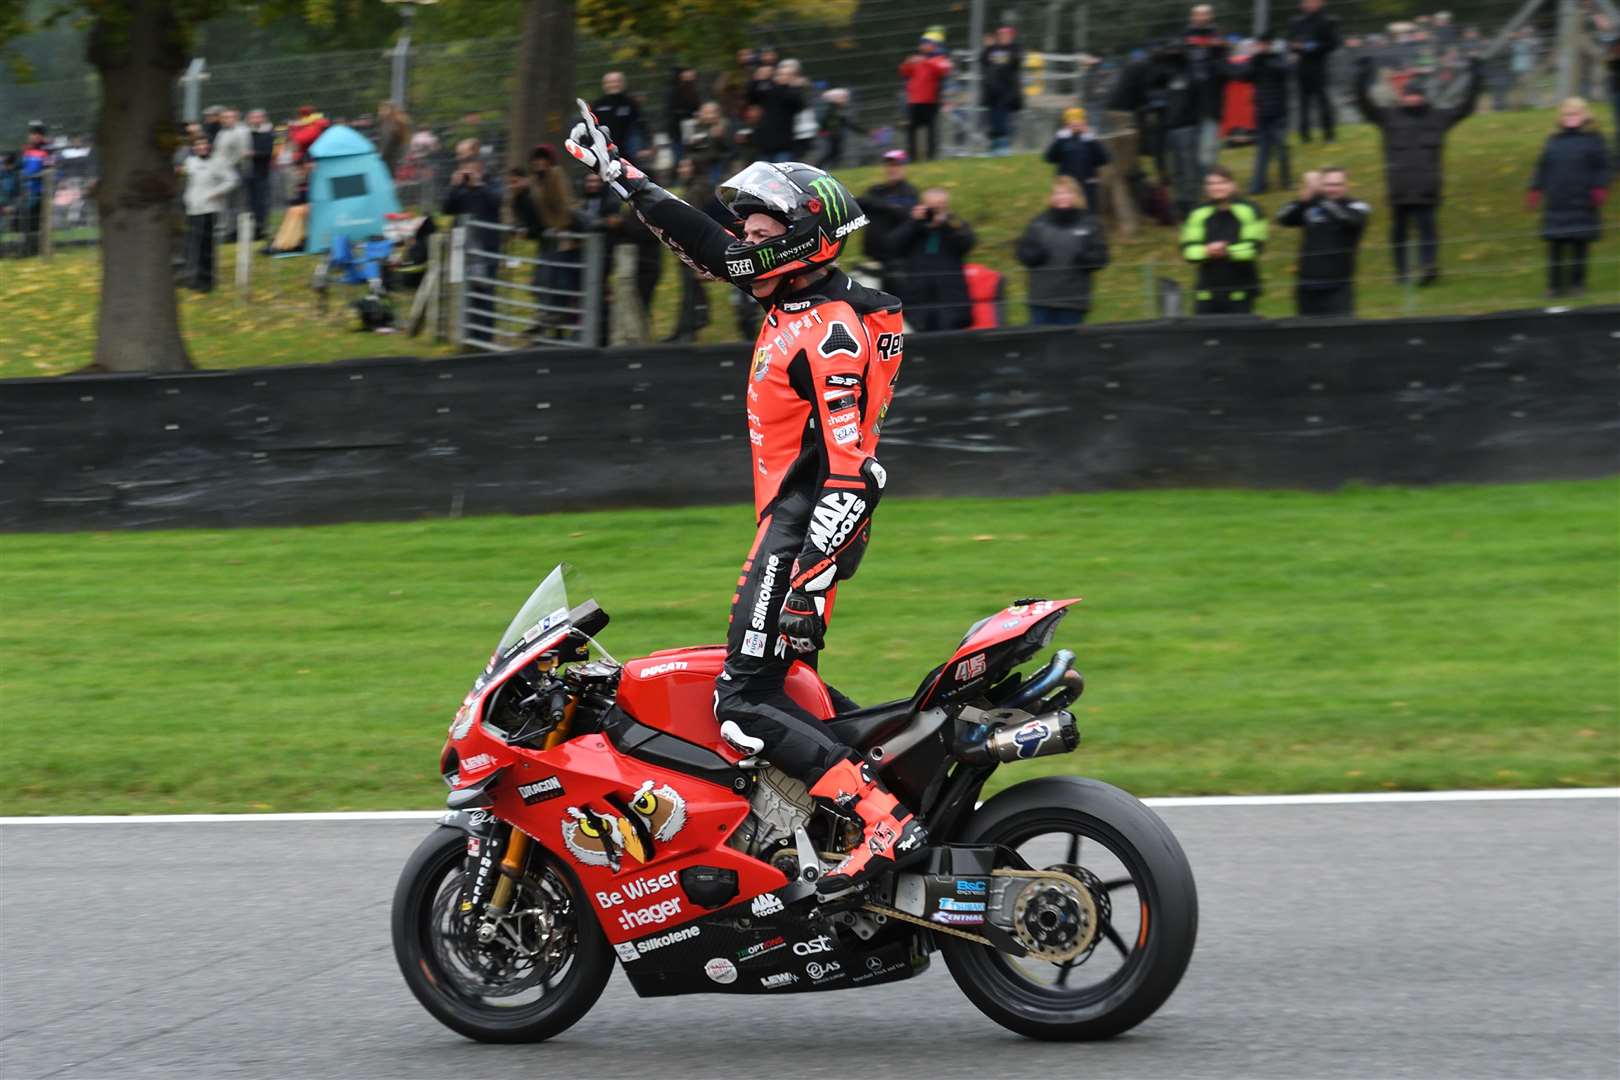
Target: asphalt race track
(1371, 939)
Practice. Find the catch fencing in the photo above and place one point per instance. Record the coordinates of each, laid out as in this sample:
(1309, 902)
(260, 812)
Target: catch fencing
(1224, 402)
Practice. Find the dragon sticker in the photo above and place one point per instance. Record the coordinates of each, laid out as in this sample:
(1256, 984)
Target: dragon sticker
(653, 815)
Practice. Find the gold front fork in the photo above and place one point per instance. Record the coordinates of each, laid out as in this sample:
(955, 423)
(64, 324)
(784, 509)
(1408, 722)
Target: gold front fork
(517, 846)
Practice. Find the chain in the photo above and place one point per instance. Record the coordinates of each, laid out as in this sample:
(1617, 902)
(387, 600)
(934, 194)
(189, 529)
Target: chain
(979, 939)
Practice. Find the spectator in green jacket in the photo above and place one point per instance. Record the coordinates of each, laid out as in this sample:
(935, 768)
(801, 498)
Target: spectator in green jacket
(1223, 237)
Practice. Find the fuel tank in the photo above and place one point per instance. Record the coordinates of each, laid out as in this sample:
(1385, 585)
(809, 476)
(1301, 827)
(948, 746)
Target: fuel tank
(673, 691)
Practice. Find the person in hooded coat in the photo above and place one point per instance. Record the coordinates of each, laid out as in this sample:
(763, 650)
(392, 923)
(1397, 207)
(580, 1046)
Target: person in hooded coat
(1062, 247)
(1570, 185)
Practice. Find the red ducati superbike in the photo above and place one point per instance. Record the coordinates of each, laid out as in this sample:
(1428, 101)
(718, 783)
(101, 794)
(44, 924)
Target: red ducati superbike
(596, 815)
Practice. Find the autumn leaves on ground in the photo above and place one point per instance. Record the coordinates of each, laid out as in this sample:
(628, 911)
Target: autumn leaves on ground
(1492, 256)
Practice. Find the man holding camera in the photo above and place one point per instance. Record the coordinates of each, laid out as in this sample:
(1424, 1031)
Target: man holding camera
(930, 247)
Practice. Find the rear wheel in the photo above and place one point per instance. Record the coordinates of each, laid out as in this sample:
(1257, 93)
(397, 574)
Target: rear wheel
(542, 970)
(1140, 886)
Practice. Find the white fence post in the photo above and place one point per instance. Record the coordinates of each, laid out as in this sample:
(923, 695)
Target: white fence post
(244, 253)
(458, 275)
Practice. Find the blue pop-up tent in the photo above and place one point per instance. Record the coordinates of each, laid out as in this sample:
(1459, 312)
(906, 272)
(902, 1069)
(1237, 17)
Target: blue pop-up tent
(350, 191)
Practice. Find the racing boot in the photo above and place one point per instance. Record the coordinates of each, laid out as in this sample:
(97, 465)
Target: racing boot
(890, 832)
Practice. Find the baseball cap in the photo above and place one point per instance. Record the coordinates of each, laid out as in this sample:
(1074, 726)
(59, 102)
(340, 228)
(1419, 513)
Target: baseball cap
(1074, 115)
(896, 157)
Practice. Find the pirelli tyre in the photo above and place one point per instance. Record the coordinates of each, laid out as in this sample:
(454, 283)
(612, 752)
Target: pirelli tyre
(542, 970)
(1145, 900)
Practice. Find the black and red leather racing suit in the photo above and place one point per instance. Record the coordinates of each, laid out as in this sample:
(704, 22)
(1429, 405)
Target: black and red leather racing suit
(819, 386)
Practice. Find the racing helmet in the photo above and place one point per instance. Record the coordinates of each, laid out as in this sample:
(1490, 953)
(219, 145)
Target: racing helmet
(819, 212)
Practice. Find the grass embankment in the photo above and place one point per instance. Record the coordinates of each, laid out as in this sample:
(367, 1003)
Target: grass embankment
(1233, 642)
(1493, 259)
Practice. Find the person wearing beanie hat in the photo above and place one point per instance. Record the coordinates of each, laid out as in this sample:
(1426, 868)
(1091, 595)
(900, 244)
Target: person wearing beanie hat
(925, 72)
(1077, 152)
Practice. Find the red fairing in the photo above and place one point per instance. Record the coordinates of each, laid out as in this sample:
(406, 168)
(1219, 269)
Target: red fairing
(673, 691)
(628, 828)
(1008, 623)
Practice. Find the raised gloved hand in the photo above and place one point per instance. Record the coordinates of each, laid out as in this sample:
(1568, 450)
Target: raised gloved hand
(591, 144)
(802, 623)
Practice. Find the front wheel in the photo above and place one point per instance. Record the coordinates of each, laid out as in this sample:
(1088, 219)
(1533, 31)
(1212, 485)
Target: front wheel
(1146, 906)
(541, 970)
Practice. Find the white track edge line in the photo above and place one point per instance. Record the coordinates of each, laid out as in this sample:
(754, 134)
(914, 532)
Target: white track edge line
(1328, 799)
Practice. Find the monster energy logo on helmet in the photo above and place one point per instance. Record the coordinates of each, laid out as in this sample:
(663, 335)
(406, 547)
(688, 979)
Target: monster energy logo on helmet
(832, 195)
(766, 257)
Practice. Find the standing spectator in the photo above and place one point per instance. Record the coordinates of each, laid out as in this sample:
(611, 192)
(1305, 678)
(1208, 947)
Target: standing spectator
(1313, 36)
(233, 145)
(601, 211)
(731, 87)
(622, 113)
(1414, 144)
(261, 159)
(835, 122)
(212, 118)
(1267, 69)
(1608, 36)
(1570, 185)
(1522, 66)
(1001, 85)
(209, 182)
(1077, 152)
(888, 206)
(925, 72)
(696, 189)
(302, 132)
(36, 161)
(711, 148)
(1333, 224)
(473, 194)
(393, 135)
(780, 104)
(10, 195)
(1176, 99)
(930, 247)
(1206, 67)
(1062, 247)
(542, 205)
(681, 107)
(1224, 238)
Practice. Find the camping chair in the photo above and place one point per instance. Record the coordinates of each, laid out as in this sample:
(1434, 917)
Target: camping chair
(363, 262)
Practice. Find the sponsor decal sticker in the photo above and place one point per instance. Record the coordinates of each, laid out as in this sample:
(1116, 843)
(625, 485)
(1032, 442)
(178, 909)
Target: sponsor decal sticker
(597, 838)
(797, 305)
(663, 669)
(823, 970)
(474, 846)
(1030, 736)
(781, 978)
(890, 345)
(766, 904)
(957, 917)
(947, 904)
(971, 668)
(476, 763)
(971, 886)
(635, 890)
(652, 915)
(721, 970)
(627, 952)
(538, 791)
(848, 227)
(653, 944)
(818, 944)
(753, 643)
(843, 380)
(762, 367)
(881, 839)
(835, 517)
(847, 434)
(874, 963)
(762, 599)
(832, 195)
(760, 948)
(740, 267)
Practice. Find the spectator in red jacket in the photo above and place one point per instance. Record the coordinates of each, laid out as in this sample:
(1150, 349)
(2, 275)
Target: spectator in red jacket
(925, 72)
(303, 132)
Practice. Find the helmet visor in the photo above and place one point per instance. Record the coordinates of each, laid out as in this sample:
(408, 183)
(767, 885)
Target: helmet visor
(762, 185)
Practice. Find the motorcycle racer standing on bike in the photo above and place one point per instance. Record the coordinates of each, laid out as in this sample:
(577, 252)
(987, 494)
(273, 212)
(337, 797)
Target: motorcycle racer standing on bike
(819, 386)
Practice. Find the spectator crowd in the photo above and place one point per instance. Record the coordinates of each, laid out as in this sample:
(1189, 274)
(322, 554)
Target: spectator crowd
(1186, 99)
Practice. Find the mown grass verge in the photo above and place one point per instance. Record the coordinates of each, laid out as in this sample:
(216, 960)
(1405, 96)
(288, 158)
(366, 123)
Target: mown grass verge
(1233, 642)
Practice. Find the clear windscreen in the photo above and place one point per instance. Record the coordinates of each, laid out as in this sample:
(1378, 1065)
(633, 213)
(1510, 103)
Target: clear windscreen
(761, 183)
(545, 609)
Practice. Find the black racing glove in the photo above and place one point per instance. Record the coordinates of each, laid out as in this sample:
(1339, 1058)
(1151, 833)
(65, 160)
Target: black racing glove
(801, 622)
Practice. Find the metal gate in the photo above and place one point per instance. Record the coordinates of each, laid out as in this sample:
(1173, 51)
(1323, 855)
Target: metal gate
(510, 301)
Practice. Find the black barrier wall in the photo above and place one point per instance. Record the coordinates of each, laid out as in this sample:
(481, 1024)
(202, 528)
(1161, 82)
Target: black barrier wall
(1517, 396)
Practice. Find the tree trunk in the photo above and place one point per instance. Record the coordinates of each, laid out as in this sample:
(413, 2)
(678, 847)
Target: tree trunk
(543, 89)
(138, 48)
